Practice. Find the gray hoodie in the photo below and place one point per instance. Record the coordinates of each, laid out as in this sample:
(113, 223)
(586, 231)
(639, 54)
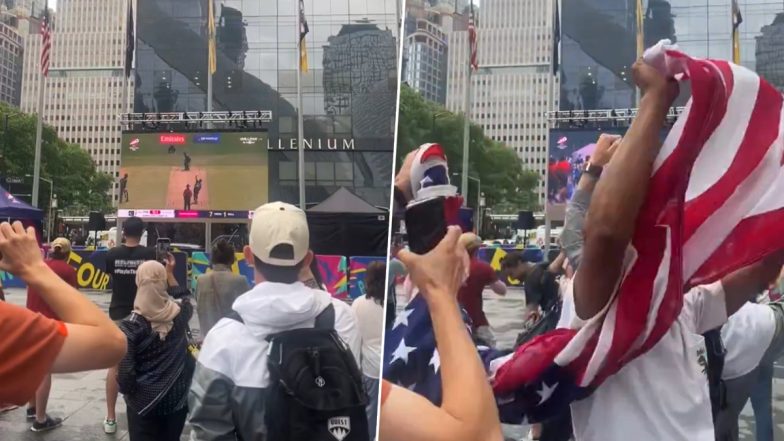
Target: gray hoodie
(227, 394)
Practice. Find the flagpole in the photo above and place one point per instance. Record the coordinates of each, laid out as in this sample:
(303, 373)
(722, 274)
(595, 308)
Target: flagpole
(38, 138)
(550, 95)
(126, 80)
(466, 112)
(40, 125)
(209, 66)
(300, 119)
(640, 45)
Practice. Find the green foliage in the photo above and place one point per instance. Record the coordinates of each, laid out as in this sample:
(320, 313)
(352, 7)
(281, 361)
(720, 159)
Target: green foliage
(77, 182)
(507, 186)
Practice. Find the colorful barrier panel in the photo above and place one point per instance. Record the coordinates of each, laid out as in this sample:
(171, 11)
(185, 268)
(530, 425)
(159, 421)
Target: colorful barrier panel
(334, 274)
(358, 271)
(90, 269)
(333, 269)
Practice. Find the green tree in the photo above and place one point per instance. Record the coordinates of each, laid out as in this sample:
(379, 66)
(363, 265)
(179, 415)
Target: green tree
(75, 178)
(507, 185)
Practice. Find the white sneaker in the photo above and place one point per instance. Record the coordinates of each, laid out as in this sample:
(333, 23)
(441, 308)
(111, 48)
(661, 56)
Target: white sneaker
(109, 426)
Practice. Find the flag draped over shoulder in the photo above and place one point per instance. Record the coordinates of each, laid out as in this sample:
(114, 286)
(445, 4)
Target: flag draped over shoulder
(714, 205)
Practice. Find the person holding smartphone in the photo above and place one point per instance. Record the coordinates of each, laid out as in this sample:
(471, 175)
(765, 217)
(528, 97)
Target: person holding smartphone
(121, 265)
(468, 411)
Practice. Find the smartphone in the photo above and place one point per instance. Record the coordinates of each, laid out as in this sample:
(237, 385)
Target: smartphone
(426, 224)
(162, 249)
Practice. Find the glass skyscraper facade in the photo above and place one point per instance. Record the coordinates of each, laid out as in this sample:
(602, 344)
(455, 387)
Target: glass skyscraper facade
(599, 43)
(349, 91)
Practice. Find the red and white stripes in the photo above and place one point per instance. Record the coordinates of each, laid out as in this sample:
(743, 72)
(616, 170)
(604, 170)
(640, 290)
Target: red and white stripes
(46, 44)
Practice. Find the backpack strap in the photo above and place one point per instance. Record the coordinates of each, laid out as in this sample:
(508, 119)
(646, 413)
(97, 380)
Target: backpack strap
(326, 318)
(233, 315)
(716, 352)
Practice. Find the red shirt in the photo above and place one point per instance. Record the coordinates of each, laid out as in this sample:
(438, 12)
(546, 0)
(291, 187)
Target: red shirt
(66, 272)
(470, 296)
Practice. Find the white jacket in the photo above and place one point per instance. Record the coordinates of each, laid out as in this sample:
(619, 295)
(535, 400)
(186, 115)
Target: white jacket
(227, 394)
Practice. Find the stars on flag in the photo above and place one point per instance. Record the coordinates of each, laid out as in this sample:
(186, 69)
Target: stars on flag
(402, 351)
(402, 318)
(546, 392)
(435, 361)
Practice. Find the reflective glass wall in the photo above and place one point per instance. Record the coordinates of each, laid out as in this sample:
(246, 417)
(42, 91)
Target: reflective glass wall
(599, 42)
(349, 91)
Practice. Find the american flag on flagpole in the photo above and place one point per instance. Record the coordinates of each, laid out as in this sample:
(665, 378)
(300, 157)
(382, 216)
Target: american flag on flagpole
(46, 43)
(474, 61)
(714, 206)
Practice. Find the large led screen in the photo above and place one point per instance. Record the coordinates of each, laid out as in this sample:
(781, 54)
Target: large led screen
(193, 173)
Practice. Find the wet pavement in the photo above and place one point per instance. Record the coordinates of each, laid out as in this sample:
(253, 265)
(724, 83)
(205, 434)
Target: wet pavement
(504, 315)
(77, 398)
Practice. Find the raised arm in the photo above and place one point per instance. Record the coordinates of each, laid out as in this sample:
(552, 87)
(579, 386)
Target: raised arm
(619, 195)
(743, 284)
(468, 411)
(572, 236)
(93, 341)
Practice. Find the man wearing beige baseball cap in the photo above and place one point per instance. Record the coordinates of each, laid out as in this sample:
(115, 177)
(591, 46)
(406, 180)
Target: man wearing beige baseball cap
(231, 390)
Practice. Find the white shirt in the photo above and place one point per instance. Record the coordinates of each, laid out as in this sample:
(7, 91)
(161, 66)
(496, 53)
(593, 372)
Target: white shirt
(370, 320)
(567, 302)
(747, 336)
(663, 394)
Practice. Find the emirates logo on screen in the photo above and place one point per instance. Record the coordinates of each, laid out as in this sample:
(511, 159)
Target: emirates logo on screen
(172, 139)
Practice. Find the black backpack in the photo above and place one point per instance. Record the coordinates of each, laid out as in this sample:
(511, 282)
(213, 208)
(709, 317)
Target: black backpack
(316, 391)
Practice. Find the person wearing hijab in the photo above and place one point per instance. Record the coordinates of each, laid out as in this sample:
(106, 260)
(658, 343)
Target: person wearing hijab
(156, 372)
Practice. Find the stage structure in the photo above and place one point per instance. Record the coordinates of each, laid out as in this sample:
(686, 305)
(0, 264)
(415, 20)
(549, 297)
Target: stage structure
(572, 140)
(603, 118)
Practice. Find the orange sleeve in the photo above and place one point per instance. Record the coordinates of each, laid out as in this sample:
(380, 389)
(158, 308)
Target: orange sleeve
(29, 345)
(386, 387)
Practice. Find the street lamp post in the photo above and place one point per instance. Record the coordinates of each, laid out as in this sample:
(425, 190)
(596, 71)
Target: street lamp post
(50, 222)
(480, 197)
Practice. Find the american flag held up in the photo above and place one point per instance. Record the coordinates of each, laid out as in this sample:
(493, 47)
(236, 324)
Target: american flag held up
(686, 235)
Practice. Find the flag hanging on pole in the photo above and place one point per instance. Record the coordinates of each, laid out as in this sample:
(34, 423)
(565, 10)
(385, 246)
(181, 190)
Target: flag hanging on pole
(737, 19)
(213, 59)
(474, 61)
(303, 31)
(130, 40)
(556, 39)
(640, 30)
(46, 43)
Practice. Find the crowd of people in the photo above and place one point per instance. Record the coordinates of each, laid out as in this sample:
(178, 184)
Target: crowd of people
(282, 359)
(686, 387)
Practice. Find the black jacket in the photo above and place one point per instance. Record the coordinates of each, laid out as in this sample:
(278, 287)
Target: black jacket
(155, 374)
